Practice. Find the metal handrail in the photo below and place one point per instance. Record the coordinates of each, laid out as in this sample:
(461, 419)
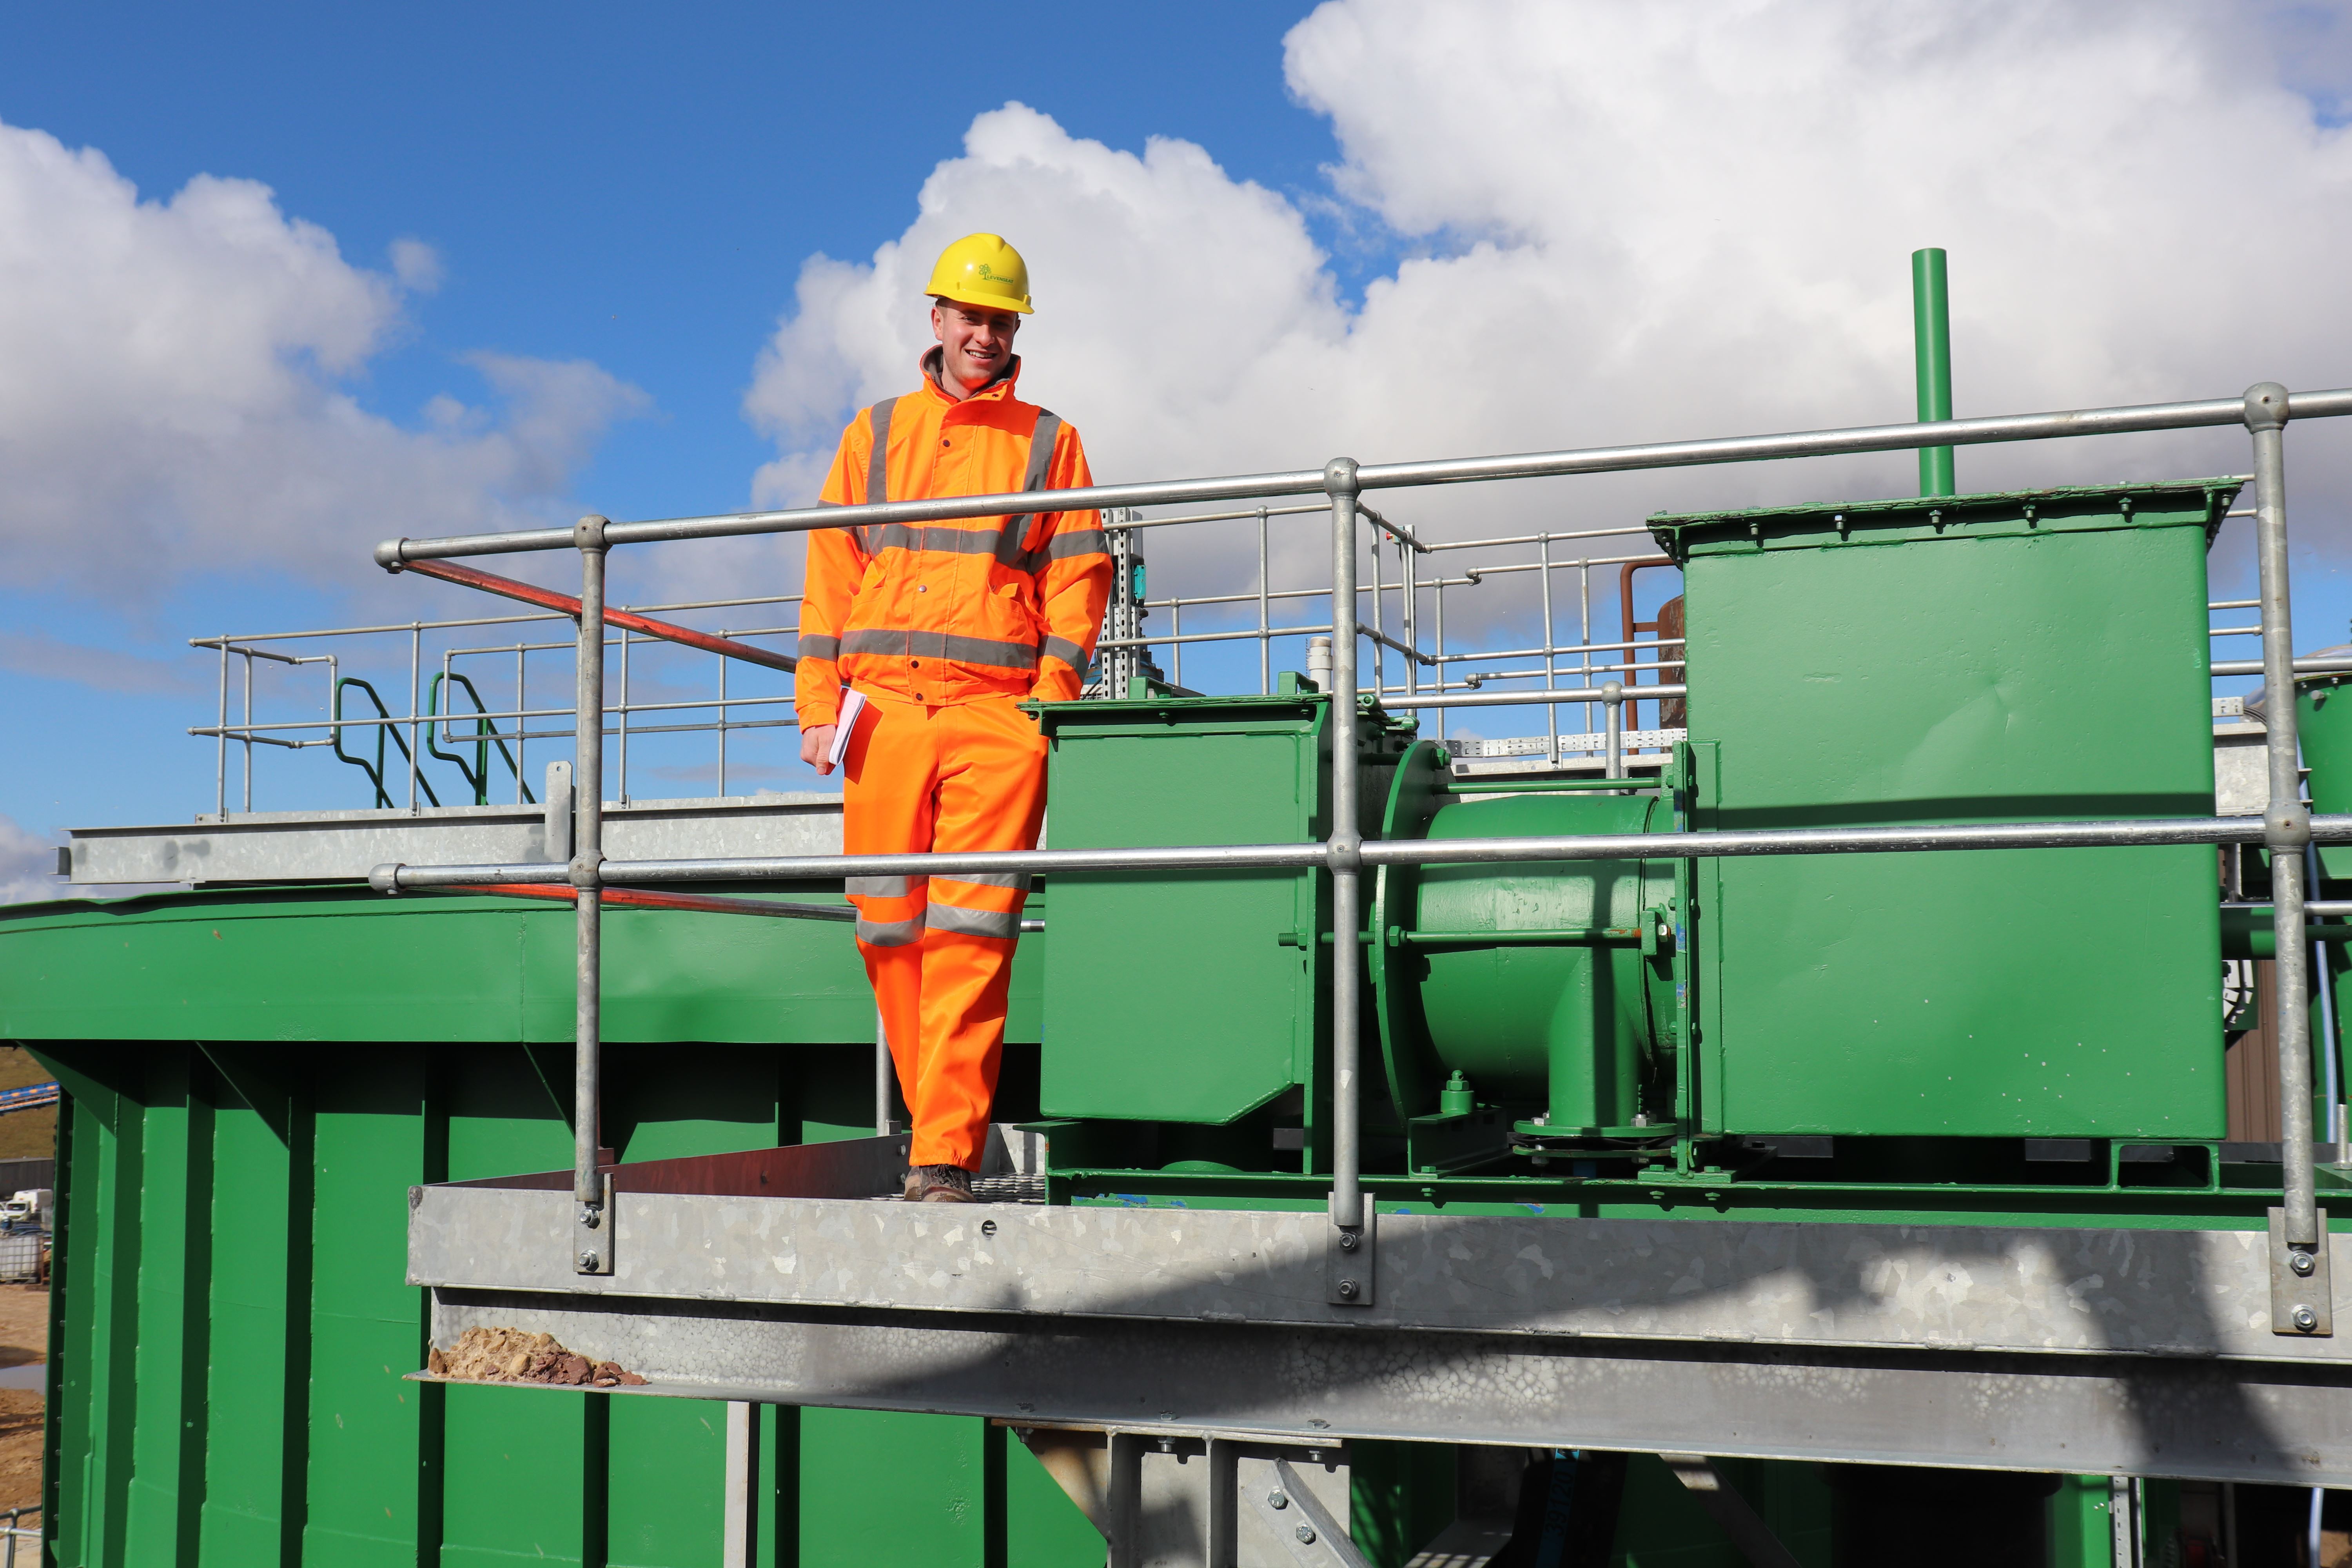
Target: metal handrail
(14, 1530)
(1314, 855)
(2123, 420)
(2287, 827)
(385, 725)
(485, 733)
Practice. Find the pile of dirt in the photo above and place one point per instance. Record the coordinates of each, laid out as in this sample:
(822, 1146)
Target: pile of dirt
(510, 1355)
(24, 1341)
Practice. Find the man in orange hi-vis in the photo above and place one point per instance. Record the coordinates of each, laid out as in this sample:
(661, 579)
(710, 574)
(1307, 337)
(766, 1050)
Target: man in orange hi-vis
(945, 629)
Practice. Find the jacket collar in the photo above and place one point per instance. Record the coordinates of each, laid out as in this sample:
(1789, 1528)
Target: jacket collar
(934, 361)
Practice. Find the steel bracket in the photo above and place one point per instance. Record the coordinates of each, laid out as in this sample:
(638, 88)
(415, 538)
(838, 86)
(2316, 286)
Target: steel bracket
(1350, 1259)
(1730, 1512)
(592, 1234)
(1300, 1521)
(2303, 1303)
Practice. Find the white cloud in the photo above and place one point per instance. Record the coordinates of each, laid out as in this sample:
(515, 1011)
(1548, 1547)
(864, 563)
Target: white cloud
(172, 390)
(1640, 223)
(1166, 290)
(28, 866)
(417, 264)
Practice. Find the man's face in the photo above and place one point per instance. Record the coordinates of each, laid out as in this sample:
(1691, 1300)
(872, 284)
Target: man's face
(975, 344)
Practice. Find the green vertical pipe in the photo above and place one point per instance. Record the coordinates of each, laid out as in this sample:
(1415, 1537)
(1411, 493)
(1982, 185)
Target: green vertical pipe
(1931, 333)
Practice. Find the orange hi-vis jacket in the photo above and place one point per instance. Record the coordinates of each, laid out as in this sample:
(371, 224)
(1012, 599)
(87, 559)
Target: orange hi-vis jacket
(952, 612)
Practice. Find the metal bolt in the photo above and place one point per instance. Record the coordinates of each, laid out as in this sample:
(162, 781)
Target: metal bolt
(1167, 1445)
(588, 1263)
(987, 1227)
(1349, 1241)
(2301, 1262)
(1276, 1501)
(1347, 1289)
(2304, 1318)
(1306, 1535)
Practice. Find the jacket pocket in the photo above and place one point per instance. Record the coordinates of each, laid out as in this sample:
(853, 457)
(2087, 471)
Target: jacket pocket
(1012, 618)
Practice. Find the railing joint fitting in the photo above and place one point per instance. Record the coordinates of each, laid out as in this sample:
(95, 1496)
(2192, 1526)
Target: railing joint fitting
(1344, 854)
(588, 533)
(1340, 477)
(385, 879)
(2266, 406)
(393, 553)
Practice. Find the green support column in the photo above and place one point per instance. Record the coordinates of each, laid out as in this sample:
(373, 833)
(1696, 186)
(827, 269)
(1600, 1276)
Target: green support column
(167, 1481)
(1931, 332)
(369, 1145)
(2081, 1523)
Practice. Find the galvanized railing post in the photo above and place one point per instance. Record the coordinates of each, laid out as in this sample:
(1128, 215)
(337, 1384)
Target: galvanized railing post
(415, 704)
(2300, 1296)
(621, 723)
(2331, 1088)
(1348, 1273)
(1551, 664)
(1265, 626)
(1613, 755)
(248, 728)
(220, 763)
(593, 1230)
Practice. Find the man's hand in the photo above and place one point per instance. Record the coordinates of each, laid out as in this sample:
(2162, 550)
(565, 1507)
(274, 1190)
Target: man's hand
(816, 745)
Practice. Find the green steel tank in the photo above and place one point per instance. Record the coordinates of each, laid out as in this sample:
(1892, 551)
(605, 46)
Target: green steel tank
(1534, 1002)
(1984, 658)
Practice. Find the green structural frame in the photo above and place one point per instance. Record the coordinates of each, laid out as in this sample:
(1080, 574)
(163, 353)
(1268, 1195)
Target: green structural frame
(255, 1079)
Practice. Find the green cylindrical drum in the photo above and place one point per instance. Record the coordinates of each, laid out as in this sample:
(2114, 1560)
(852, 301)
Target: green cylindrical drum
(1531, 979)
(1533, 987)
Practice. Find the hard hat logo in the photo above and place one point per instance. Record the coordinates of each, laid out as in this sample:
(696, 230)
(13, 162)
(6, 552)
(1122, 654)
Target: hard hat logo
(982, 270)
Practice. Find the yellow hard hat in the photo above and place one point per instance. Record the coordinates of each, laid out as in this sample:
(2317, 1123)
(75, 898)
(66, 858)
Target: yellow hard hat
(981, 270)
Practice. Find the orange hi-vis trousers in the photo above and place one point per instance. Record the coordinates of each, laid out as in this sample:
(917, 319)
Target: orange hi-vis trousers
(963, 777)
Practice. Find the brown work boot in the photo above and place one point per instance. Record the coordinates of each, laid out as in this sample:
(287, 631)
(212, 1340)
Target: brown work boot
(940, 1184)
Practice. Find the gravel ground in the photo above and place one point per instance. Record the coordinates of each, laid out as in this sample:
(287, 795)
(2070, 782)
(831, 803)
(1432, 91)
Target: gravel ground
(23, 1337)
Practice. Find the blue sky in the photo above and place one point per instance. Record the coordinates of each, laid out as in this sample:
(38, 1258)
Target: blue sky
(520, 261)
(631, 186)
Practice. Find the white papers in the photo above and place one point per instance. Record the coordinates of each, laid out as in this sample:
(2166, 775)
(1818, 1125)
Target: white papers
(853, 704)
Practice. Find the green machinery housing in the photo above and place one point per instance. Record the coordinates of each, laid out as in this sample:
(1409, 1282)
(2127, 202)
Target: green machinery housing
(258, 1074)
(1976, 659)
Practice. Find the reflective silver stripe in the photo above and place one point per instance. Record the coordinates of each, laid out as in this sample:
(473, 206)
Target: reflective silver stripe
(939, 537)
(940, 645)
(1042, 439)
(1068, 652)
(877, 467)
(1079, 541)
(877, 462)
(814, 646)
(879, 887)
(997, 923)
(1017, 881)
(893, 933)
(1041, 448)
